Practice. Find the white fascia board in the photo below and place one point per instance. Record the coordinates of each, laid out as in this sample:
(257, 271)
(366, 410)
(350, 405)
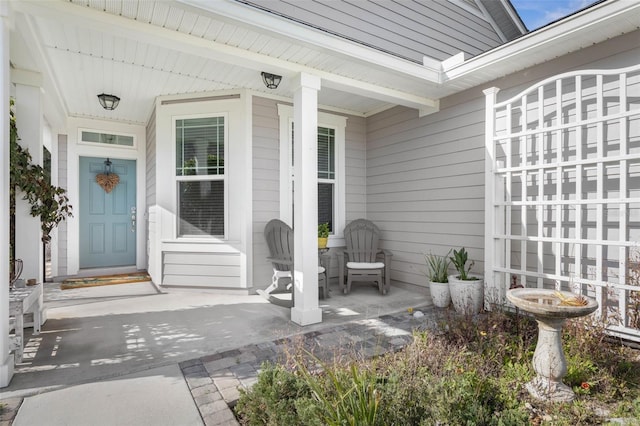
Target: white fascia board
(508, 6)
(492, 22)
(302, 33)
(537, 41)
(100, 21)
(380, 93)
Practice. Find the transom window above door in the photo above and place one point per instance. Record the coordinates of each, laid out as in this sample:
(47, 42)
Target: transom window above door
(200, 176)
(91, 137)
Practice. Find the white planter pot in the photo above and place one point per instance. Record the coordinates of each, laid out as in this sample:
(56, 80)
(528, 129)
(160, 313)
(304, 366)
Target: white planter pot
(440, 294)
(467, 296)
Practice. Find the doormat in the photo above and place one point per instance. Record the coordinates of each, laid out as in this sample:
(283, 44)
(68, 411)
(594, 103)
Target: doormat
(136, 277)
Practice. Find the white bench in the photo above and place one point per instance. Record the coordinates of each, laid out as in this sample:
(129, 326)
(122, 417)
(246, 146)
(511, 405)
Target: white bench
(22, 301)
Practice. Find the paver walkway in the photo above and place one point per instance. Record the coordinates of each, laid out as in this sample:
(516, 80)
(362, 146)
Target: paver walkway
(215, 380)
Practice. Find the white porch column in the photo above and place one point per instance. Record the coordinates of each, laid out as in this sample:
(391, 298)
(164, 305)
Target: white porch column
(29, 120)
(305, 218)
(6, 361)
(492, 254)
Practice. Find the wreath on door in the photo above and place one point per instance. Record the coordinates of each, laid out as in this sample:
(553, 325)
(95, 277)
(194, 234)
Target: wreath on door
(107, 180)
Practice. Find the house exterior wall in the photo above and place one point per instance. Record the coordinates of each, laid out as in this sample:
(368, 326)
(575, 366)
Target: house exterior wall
(425, 176)
(266, 179)
(151, 159)
(62, 227)
(407, 29)
(151, 176)
(266, 183)
(200, 262)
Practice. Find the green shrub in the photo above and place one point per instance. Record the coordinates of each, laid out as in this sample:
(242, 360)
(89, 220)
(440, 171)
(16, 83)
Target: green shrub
(464, 373)
(274, 399)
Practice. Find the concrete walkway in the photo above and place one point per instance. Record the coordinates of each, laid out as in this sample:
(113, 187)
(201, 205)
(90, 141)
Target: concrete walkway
(127, 354)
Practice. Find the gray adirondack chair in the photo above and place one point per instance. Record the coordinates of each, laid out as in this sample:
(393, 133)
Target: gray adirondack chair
(362, 258)
(279, 237)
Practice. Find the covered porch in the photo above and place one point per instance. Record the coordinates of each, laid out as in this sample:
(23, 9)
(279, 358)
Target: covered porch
(410, 150)
(105, 333)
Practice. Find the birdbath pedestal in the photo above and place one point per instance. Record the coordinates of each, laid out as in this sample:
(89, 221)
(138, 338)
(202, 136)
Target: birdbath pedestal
(549, 362)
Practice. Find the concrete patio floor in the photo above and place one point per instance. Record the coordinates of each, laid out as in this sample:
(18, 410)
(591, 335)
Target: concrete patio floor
(132, 337)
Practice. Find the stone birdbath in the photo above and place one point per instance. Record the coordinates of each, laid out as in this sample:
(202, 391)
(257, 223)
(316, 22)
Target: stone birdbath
(550, 312)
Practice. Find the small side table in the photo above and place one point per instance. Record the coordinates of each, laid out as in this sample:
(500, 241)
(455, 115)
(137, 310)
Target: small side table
(324, 258)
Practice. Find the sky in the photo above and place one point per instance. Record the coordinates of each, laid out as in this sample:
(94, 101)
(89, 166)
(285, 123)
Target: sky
(536, 13)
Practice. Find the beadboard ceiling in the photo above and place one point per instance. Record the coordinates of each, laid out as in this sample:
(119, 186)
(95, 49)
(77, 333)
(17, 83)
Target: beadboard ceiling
(142, 49)
(139, 50)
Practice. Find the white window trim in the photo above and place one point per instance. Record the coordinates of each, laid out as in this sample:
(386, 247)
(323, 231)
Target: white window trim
(336, 122)
(103, 145)
(225, 178)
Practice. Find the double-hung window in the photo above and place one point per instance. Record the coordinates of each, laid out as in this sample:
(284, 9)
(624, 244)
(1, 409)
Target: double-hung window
(326, 175)
(200, 176)
(330, 173)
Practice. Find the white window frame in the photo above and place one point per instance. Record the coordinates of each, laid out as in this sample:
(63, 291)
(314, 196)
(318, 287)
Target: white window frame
(223, 177)
(338, 123)
(109, 132)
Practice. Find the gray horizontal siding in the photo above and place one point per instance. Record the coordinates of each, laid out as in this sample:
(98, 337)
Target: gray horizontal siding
(62, 227)
(355, 168)
(151, 159)
(201, 269)
(425, 185)
(151, 174)
(410, 28)
(266, 179)
(266, 183)
(425, 176)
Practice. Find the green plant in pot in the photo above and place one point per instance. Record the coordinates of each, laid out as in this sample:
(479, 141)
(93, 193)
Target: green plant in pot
(438, 271)
(323, 234)
(467, 291)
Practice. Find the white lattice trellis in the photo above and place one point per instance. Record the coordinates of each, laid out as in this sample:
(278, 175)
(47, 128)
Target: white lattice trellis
(563, 190)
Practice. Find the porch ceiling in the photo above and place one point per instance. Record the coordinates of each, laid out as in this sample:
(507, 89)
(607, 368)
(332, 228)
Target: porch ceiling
(139, 50)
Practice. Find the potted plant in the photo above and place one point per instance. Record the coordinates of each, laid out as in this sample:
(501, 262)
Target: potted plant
(323, 235)
(467, 291)
(437, 271)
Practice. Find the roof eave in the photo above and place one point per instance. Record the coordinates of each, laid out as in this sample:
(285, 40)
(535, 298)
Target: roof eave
(517, 54)
(240, 12)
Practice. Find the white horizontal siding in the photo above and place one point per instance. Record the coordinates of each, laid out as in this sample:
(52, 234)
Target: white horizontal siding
(201, 269)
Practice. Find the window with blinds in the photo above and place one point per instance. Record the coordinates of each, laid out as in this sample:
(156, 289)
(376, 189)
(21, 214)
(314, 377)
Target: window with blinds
(326, 175)
(200, 146)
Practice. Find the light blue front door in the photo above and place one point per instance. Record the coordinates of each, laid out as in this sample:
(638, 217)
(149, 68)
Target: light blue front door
(107, 219)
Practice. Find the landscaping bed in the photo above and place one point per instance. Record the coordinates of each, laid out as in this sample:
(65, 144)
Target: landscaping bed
(463, 371)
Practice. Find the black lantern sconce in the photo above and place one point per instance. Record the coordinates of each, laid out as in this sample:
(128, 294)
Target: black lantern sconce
(107, 167)
(108, 102)
(271, 80)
